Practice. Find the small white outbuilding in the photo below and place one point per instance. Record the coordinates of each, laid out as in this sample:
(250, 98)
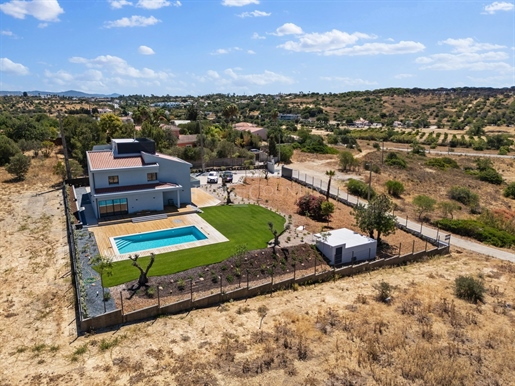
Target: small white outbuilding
(344, 246)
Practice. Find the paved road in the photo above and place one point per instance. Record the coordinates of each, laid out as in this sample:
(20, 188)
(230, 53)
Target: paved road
(429, 151)
(456, 241)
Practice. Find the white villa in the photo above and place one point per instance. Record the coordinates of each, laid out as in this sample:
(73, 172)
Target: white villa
(344, 246)
(128, 176)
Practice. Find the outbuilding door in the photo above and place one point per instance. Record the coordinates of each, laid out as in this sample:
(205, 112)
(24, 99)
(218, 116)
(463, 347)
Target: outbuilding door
(338, 256)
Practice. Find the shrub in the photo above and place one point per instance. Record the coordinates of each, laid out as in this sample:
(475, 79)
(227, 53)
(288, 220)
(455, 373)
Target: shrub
(464, 195)
(478, 230)
(468, 288)
(442, 163)
(151, 292)
(395, 188)
(510, 191)
(314, 207)
(359, 188)
(384, 291)
(423, 204)
(392, 159)
(491, 176)
(18, 166)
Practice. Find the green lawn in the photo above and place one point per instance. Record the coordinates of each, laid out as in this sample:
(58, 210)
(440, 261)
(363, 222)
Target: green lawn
(241, 224)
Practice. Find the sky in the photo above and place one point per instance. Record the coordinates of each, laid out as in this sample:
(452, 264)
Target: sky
(247, 47)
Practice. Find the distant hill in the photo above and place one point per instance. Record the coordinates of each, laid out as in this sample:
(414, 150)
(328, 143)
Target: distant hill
(69, 93)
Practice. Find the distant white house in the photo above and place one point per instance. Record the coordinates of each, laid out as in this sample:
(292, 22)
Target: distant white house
(253, 129)
(344, 246)
(128, 176)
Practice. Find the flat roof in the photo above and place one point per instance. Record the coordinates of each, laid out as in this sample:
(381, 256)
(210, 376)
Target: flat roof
(132, 188)
(345, 236)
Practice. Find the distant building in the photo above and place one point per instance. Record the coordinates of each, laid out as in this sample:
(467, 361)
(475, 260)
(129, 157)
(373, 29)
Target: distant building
(344, 246)
(288, 117)
(253, 129)
(187, 140)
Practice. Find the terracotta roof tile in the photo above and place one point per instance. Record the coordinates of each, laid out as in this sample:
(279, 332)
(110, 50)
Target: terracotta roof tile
(105, 160)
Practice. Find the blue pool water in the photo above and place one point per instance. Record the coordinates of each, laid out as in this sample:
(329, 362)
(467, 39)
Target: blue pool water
(158, 239)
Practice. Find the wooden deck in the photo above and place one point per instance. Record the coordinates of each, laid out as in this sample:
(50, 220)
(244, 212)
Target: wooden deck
(201, 198)
(105, 233)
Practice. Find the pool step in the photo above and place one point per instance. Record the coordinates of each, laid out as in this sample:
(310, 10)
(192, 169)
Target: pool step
(122, 243)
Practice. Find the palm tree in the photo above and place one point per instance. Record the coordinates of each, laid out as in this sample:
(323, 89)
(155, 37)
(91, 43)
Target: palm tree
(230, 111)
(330, 174)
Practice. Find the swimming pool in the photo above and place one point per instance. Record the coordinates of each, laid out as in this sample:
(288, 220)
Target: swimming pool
(157, 239)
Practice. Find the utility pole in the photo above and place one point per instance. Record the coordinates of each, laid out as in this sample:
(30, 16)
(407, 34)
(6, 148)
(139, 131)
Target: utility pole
(65, 148)
(201, 146)
(382, 153)
(369, 181)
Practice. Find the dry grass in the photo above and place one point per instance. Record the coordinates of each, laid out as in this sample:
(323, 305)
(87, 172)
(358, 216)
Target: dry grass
(332, 333)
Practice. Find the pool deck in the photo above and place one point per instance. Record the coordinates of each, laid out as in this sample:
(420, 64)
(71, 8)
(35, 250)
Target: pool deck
(105, 233)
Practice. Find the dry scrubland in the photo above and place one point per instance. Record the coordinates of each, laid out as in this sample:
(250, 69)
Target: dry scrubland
(332, 333)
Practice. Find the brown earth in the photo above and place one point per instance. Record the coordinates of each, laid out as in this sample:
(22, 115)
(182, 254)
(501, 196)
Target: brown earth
(332, 333)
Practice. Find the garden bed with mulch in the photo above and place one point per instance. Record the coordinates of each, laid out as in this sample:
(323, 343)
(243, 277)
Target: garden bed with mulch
(257, 267)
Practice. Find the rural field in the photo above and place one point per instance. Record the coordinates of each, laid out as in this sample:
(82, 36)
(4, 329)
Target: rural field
(334, 333)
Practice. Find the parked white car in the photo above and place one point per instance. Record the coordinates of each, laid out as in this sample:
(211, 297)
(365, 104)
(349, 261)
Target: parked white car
(212, 178)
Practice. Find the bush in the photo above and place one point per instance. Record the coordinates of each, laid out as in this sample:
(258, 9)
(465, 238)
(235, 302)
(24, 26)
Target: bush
(478, 230)
(442, 163)
(395, 188)
(384, 291)
(510, 191)
(468, 288)
(464, 195)
(314, 207)
(491, 176)
(8, 149)
(18, 166)
(392, 159)
(359, 188)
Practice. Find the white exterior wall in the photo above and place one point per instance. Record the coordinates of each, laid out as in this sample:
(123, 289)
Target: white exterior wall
(126, 177)
(329, 251)
(361, 252)
(177, 172)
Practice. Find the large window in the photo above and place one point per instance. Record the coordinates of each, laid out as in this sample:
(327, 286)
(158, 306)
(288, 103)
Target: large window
(151, 176)
(113, 207)
(113, 180)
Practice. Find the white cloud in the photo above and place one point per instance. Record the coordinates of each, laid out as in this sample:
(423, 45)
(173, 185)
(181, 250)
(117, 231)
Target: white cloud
(8, 66)
(379, 49)
(144, 50)
(238, 3)
(133, 21)
(254, 14)
(288, 29)
(177, 4)
(337, 42)
(6, 33)
(45, 10)
(231, 79)
(251, 52)
(469, 45)
(152, 4)
(348, 81)
(42, 25)
(225, 51)
(498, 6)
(324, 42)
(255, 35)
(403, 76)
(117, 4)
(120, 67)
(466, 55)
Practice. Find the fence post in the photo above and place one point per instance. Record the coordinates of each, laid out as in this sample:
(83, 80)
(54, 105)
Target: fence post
(272, 276)
(295, 272)
(121, 301)
(413, 249)
(221, 286)
(247, 279)
(400, 246)
(426, 245)
(334, 272)
(158, 298)
(420, 228)
(406, 221)
(437, 230)
(315, 266)
(191, 290)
